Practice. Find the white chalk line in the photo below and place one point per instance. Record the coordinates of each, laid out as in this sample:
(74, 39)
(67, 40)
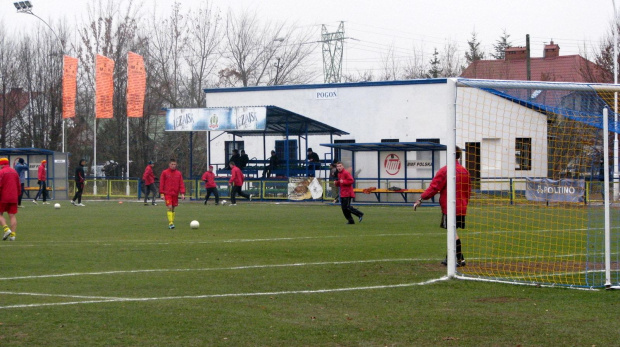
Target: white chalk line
(210, 296)
(245, 267)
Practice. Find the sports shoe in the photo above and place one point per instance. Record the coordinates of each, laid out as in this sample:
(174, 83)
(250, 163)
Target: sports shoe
(361, 217)
(45, 203)
(205, 202)
(250, 197)
(12, 238)
(444, 263)
(233, 205)
(72, 202)
(6, 235)
(20, 206)
(35, 202)
(80, 204)
(350, 222)
(171, 226)
(460, 263)
(154, 204)
(146, 204)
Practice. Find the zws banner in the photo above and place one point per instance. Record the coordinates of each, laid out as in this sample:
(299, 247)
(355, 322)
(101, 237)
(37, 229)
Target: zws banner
(216, 119)
(565, 190)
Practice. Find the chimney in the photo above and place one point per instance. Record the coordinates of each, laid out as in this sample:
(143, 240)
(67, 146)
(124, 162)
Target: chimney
(515, 53)
(551, 50)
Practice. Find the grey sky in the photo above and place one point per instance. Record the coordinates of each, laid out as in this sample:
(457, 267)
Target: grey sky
(373, 26)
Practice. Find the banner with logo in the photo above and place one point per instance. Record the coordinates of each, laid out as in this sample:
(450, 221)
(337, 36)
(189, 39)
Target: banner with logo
(304, 188)
(216, 119)
(392, 164)
(136, 85)
(104, 87)
(565, 190)
(69, 86)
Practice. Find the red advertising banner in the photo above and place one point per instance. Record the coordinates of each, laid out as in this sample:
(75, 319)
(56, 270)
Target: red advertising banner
(104, 87)
(136, 85)
(69, 86)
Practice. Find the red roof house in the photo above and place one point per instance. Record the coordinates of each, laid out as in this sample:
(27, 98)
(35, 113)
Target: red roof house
(551, 67)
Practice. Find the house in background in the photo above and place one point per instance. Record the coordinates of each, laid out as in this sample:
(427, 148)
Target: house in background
(551, 67)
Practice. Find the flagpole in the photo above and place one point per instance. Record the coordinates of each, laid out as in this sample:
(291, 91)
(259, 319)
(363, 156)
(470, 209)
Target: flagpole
(127, 170)
(95, 159)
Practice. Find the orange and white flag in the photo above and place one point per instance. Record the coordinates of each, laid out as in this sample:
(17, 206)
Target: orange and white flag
(104, 87)
(69, 86)
(136, 85)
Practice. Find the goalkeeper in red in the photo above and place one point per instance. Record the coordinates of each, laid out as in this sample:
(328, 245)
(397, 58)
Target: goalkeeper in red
(170, 186)
(439, 184)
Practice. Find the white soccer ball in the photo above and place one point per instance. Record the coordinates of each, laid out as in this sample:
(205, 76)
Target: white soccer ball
(56, 205)
(194, 224)
(224, 202)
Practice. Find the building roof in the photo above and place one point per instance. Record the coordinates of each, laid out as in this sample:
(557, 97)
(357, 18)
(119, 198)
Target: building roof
(281, 122)
(567, 68)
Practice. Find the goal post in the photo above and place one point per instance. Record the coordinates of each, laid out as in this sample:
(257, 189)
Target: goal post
(538, 158)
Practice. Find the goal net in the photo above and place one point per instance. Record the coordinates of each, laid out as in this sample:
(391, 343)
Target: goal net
(537, 155)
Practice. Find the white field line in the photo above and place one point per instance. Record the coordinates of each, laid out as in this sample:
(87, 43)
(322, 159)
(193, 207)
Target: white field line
(114, 272)
(208, 296)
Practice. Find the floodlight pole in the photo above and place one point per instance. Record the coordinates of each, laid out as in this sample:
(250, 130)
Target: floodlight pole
(26, 7)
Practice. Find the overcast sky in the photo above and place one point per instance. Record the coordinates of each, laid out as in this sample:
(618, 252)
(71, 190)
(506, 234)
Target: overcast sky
(372, 26)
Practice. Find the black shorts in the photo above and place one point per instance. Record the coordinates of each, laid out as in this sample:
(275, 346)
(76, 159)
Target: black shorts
(460, 222)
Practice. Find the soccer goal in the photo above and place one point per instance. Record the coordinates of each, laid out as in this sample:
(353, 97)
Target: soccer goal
(544, 207)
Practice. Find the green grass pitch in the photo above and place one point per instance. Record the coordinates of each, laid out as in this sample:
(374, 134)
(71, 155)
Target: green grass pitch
(266, 274)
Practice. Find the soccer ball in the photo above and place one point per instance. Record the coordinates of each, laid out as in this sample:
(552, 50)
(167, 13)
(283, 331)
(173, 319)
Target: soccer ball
(56, 205)
(224, 202)
(194, 224)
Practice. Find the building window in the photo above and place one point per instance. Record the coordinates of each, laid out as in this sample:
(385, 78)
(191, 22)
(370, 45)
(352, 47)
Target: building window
(523, 153)
(281, 149)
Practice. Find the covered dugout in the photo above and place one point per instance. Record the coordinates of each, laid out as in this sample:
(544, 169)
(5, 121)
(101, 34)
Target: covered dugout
(394, 172)
(276, 123)
(57, 170)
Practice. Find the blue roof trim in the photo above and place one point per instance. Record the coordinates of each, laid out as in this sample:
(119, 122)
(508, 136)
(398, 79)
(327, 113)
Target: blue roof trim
(333, 85)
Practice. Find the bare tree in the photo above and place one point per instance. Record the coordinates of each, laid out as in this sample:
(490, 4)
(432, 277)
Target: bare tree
(390, 69)
(268, 53)
(451, 63)
(416, 66)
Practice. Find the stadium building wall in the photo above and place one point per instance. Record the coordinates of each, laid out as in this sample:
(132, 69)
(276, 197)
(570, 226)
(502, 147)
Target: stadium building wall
(407, 111)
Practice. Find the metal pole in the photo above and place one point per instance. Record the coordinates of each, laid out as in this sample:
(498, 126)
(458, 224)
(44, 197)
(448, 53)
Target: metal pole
(607, 206)
(616, 185)
(451, 184)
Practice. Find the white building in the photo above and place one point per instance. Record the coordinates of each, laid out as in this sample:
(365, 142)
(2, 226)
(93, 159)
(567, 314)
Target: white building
(399, 111)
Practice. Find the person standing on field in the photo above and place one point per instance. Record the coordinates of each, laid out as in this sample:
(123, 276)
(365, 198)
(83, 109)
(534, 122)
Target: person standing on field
(345, 183)
(170, 186)
(21, 167)
(10, 189)
(439, 184)
(42, 180)
(149, 183)
(236, 181)
(209, 178)
(80, 180)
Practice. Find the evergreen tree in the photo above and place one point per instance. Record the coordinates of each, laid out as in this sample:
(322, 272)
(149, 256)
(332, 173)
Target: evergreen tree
(435, 66)
(501, 45)
(475, 52)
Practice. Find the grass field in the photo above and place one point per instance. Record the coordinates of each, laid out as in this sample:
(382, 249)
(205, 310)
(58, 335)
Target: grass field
(266, 274)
